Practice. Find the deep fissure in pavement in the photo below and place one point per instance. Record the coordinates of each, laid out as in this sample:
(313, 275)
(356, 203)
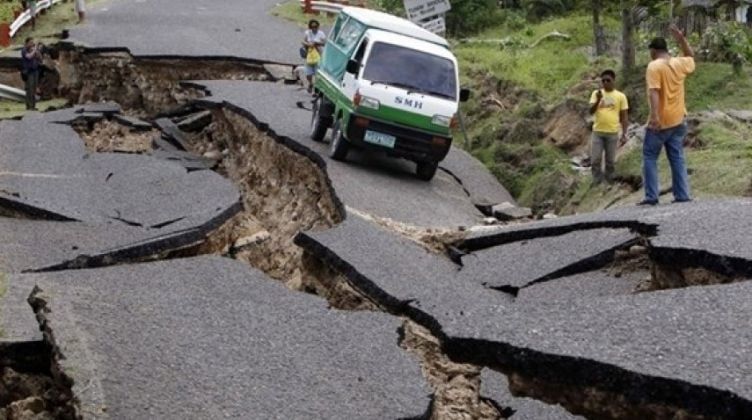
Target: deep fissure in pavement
(286, 192)
(29, 385)
(143, 86)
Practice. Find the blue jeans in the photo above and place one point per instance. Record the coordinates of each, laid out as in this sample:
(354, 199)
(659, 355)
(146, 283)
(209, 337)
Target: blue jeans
(673, 139)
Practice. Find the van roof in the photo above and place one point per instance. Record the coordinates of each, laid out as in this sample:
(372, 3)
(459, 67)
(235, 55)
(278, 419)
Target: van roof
(387, 22)
(376, 35)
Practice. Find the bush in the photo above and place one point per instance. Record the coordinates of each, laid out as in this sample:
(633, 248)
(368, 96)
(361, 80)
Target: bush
(728, 42)
(6, 11)
(538, 9)
(469, 16)
(466, 16)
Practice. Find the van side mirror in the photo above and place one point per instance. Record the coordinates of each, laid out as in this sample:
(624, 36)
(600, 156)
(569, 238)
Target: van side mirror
(352, 67)
(464, 95)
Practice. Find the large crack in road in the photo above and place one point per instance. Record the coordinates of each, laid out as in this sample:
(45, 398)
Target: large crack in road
(284, 187)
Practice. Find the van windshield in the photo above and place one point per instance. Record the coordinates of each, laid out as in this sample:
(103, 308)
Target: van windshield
(413, 70)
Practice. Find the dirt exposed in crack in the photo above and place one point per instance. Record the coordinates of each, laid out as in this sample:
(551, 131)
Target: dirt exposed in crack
(28, 389)
(635, 260)
(433, 239)
(591, 402)
(673, 277)
(110, 136)
(456, 385)
(331, 285)
(283, 191)
(142, 86)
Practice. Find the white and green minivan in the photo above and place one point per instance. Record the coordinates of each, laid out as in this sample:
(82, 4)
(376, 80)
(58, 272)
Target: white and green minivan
(387, 84)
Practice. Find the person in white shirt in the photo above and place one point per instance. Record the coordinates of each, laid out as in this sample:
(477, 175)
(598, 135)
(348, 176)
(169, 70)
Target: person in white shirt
(313, 38)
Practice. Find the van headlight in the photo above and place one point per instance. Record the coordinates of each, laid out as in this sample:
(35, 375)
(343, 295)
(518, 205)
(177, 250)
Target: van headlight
(441, 120)
(371, 103)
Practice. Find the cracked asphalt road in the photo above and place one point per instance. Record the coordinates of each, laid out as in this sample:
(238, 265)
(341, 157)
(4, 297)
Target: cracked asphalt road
(191, 28)
(684, 348)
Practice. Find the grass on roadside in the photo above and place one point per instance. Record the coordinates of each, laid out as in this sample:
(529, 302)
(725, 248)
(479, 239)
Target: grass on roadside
(538, 173)
(10, 109)
(290, 10)
(48, 26)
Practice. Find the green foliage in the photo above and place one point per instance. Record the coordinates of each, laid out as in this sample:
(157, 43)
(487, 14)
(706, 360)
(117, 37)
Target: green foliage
(537, 9)
(729, 42)
(394, 7)
(715, 86)
(6, 11)
(543, 69)
(466, 17)
(471, 16)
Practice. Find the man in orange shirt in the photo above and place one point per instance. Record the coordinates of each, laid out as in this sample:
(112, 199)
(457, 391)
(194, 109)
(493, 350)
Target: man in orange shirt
(665, 82)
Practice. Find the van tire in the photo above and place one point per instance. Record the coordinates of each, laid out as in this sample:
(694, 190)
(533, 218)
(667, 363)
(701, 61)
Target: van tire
(319, 123)
(426, 170)
(338, 147)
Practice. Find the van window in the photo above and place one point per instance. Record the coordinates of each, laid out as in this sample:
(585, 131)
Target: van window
(411, 69)
(361, 51)
(350, 35)
(337, 26)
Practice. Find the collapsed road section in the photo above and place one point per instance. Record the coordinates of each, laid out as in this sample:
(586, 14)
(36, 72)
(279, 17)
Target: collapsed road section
(580, 338)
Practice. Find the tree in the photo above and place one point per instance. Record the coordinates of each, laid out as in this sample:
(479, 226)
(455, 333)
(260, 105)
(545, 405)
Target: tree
(598, 33)
(627, 35)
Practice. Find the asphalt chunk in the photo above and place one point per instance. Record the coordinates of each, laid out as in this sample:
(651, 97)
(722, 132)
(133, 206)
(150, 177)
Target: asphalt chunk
(140, 341)
(518, 264)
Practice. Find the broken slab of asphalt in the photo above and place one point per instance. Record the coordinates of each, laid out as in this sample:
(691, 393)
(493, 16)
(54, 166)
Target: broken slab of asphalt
(644, 355)
(138, 341)
(583, 286)
(48, 173)
(370, 183)
(93, 209)
(712, 234)
(513, 266)
(41, 245)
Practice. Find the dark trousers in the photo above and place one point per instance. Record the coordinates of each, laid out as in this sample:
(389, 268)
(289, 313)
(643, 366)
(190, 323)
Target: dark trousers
(32, 80)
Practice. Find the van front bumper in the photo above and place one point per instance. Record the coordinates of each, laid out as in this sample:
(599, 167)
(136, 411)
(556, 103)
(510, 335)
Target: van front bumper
(410, 144)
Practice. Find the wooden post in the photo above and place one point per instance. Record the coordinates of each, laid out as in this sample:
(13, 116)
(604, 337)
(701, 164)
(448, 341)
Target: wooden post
(4, 35)
(307, 7)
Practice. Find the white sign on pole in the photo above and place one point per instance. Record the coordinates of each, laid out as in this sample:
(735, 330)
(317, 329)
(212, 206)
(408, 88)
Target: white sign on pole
(437, 26)
(418, 10)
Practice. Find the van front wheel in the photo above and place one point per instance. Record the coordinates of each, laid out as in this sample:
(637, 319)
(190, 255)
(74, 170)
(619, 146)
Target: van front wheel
(318, 122)
(426, 170)
(338, 147)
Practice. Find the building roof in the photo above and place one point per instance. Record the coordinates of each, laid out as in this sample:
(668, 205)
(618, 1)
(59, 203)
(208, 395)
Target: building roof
(391, 23)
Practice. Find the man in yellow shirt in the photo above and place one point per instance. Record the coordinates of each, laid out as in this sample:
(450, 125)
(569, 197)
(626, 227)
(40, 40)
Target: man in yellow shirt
(665, 82)
(610, 108)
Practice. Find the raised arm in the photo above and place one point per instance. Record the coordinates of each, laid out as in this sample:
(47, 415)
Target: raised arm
(682, 41)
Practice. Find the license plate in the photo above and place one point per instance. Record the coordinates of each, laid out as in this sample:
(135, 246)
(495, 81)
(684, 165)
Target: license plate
(380, 138)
